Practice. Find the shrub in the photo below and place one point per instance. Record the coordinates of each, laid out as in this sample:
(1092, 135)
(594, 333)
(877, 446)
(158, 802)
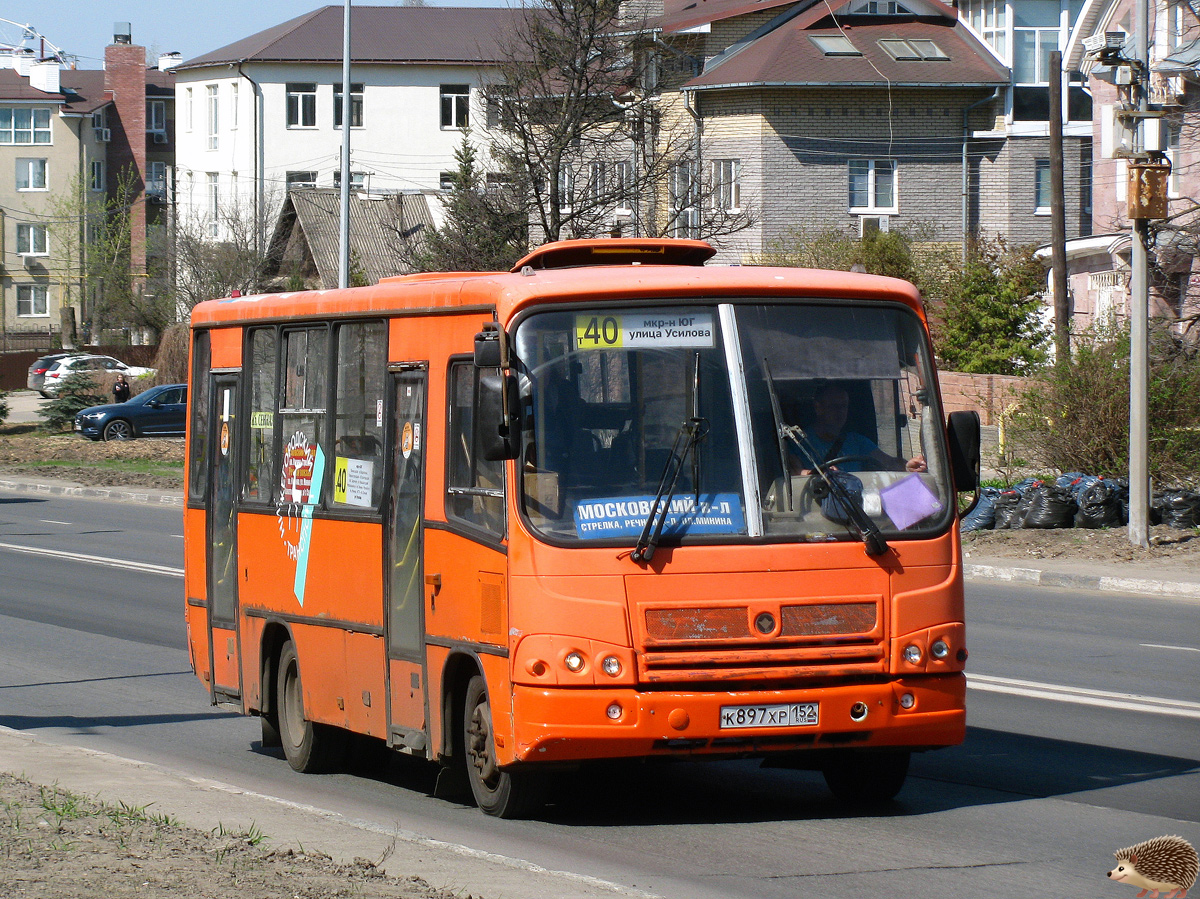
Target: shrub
(77, 391)
(171, 362)
(1075, 417)
(4, 409)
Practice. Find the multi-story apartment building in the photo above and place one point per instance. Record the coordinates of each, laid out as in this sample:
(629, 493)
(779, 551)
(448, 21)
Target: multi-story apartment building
(69, 141)
(265, 114)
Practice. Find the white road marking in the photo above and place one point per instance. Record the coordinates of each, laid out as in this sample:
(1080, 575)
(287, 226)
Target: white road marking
(95, 560)
(52, 521)
(1169, 646)
(1180, 708)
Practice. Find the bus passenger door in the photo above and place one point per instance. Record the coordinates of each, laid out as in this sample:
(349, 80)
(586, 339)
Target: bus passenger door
(405, 589)
(222, 541)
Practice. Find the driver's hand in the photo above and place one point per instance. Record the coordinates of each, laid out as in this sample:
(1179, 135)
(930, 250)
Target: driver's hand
(917, 463)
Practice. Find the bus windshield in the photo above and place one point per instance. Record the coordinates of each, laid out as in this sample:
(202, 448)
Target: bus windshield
(803, 421)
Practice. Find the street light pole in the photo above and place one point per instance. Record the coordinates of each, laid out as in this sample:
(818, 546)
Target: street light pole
(1139, 296)
(344, 235)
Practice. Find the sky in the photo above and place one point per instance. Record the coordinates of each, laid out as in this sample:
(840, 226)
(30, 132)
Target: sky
(192, 27)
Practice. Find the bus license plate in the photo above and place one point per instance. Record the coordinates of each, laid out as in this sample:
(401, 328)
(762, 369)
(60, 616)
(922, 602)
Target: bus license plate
(793, 714)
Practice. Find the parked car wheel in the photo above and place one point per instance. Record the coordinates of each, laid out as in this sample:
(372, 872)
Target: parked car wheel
(118, 429)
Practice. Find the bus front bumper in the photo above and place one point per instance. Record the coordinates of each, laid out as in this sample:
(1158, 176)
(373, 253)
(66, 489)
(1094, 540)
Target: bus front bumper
(561, 724)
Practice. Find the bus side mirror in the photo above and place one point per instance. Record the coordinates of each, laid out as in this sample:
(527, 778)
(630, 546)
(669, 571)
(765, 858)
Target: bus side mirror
(963, 431)
(487, 348)
(498, 431)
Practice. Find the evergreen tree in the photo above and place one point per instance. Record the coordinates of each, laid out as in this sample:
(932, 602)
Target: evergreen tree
(479, 233)
(76, 393)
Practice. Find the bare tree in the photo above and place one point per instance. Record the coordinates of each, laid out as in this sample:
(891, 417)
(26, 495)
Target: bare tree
(581, 138)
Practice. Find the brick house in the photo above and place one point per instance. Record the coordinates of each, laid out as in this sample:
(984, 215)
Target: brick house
(878, 114)
(66, 128)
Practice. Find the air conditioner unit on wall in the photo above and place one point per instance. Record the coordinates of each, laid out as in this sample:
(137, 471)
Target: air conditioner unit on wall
(160, 137)
(869, 224)
(104, 135)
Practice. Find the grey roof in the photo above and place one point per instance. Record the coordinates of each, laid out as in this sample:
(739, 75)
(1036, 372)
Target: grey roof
(308, 230)
(395, 35)
(1185, 60)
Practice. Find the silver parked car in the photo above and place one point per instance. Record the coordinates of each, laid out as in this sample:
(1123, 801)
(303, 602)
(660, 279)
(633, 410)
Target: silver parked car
(61, 369)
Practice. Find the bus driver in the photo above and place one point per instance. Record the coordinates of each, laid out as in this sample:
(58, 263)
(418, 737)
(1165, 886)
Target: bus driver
(827, 439)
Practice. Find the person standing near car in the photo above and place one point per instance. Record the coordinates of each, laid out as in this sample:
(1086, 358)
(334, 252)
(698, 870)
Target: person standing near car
(121, 389)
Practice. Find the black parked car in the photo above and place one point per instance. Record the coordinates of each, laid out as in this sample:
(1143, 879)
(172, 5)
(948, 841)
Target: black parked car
(158, 412)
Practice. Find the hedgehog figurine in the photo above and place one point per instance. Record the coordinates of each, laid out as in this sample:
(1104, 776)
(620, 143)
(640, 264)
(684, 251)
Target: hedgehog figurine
(1164, 864)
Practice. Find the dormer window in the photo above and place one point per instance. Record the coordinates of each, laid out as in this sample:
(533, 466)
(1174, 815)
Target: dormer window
(912, 50)
(876, 8)
(834, 44)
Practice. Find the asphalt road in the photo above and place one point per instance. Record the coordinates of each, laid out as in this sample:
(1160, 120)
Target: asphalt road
(1084, 737)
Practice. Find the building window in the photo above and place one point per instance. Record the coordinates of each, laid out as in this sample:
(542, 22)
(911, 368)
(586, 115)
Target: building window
(727, 185)
(446, 180)
(456, 101)
(685, 214)
(214, 115)
(32, 240)
(834, 45)
(233, 106)
(213, 183)
(187, 109)
(156, 181)
(1041, 186)
(356, 105)
(1174, 135)
(156, 116)
(301, 104)
(872, 185)
(31, 174)
(24, 126)
(623, 186)
(566, 187)
(32, 301)
(989, 19)
(97, 175)
(301, 179)
(358, 180)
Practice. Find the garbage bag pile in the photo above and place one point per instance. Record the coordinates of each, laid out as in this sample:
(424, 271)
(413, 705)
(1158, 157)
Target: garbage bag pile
(1076, 500)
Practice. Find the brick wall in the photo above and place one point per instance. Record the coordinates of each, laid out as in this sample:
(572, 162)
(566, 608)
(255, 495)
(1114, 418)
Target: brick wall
(125, 82)
(988, 395)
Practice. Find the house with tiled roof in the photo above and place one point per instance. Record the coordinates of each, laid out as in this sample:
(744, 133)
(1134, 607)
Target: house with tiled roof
(61, 128)
(264, 114)
(863, 114)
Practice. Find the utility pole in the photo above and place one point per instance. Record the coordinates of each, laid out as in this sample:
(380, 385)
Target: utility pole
(344, 205)
(1139, 301)
(1058, 218)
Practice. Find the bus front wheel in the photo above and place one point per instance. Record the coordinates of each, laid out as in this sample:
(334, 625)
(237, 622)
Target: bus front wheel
(310, 747)
(866, 778)
(505, 794)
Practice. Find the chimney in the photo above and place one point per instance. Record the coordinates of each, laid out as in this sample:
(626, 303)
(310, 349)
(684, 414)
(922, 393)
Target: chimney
(22, 61)
(125, 81)
(168, 61)
(44, 76)
(122, 33)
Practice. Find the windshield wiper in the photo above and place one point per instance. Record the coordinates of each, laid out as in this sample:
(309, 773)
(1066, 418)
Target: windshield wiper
(690, 433)
(857, 518)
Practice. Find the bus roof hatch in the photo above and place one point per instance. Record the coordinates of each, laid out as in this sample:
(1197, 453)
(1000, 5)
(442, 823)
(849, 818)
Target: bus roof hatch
(617, 251)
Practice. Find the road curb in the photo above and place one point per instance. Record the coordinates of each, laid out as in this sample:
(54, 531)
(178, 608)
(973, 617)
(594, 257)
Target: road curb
(1106, 583)
(155, 498)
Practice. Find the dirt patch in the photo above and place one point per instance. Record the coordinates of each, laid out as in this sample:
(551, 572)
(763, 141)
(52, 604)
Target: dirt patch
(1168, 546)
(156, 463)
(59, 845)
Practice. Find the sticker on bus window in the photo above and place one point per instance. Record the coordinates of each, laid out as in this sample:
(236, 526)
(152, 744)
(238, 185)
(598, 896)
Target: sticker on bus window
(623, 332)
(625, 516)
(352, 481)
(296, 477)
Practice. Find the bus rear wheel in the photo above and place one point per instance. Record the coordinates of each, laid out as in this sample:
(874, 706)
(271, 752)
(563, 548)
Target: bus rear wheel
(866, 778)
(310, 748)
(504, 794)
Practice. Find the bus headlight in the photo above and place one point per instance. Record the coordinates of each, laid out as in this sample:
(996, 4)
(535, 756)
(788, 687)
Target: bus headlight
(912, 654)
(574, 662)
(939, 649)
(611, 666)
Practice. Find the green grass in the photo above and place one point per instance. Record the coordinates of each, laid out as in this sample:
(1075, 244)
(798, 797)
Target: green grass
(140, 466)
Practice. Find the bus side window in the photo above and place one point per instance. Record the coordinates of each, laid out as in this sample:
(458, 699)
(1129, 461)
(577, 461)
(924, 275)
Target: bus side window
(474, 486)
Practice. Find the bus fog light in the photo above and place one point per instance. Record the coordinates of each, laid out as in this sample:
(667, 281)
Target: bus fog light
(574, 661)
(614, 711)
(611, 666)
(907, 701)
(939, 649)
(858, 711)
(536, 667)
(912, 654)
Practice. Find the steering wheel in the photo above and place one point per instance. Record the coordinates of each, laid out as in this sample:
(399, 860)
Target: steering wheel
(850, 458)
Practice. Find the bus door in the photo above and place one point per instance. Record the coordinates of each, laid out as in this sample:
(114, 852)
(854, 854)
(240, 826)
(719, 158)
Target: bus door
(405, 588)
(222, 540)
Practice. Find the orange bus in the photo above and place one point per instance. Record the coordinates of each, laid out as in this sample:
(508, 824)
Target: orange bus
(614, 503)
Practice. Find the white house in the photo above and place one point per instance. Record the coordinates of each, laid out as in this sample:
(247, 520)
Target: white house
(265, 113)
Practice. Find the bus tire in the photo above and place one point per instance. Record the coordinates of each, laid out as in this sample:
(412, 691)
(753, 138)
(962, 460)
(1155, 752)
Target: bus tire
(310, 748)
(504, 794)
(866, 778)
(270, 731)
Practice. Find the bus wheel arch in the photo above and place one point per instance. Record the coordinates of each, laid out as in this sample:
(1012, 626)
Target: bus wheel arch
(275, 635)
(502, 792)
(310, 747)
